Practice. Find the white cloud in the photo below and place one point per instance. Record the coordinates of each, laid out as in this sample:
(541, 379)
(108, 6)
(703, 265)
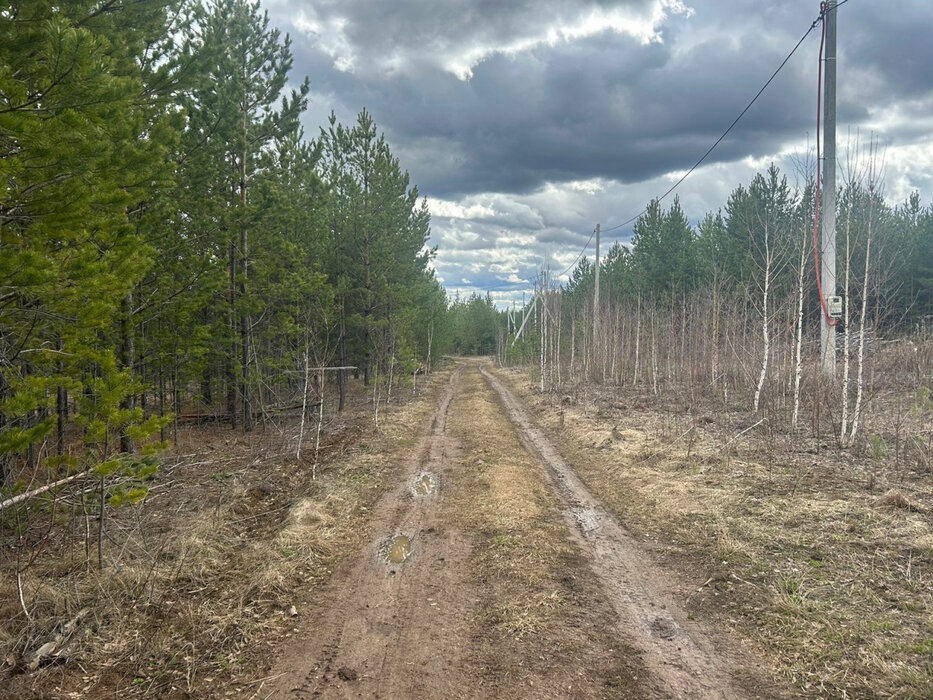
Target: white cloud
(329, 35)
(457, 210)
(642, 26)
(592, 186)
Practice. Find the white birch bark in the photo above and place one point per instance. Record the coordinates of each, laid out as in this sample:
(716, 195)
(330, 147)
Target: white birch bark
(765, 335)
(304, 407)
(798, 340)
(637, 341)
(714, 378)
(543, 338)
(320, 422)
(846, 354)
(573, 346)
(557, 345)
(860, 383)
(654, 356)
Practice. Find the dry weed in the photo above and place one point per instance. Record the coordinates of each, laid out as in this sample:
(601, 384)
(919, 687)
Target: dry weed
(201, 577)
(504, 496)
(779, 536)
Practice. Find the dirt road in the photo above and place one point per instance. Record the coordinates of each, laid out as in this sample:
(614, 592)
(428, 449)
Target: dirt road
(491, 571)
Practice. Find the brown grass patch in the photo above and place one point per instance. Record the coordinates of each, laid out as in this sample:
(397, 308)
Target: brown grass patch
(541, 616)
(780, 535)
(202, 575)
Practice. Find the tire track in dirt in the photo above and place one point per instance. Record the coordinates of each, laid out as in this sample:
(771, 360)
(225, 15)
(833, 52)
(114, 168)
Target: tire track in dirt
(394, 630)
(678, 653)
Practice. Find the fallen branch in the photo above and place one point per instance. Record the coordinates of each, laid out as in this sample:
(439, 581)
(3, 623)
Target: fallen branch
(57, 648)
(39, 491)
(751, 427)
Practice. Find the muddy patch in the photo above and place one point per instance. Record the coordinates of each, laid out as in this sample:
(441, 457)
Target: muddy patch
(425, 484)
(587, 519)
(398, 549)
(663, 627)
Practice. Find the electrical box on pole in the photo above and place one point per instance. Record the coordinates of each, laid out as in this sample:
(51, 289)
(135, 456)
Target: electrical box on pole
(834, 306)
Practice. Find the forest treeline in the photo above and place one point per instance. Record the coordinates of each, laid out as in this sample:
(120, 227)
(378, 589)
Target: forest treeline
(171, 242)
(764, 227)
(730, 307)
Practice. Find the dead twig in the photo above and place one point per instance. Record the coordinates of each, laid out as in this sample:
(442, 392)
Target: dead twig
(751, 427)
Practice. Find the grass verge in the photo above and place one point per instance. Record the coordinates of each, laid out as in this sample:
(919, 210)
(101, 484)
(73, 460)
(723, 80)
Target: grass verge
(792, 544)
(206, 574)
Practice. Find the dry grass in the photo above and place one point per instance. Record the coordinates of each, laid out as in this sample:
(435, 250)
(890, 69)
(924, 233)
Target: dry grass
(783, 540)
(541, 616)
(202, 577)
(505, 498)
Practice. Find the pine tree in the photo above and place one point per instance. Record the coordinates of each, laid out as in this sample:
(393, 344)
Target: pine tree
(82, 148)
(238, 111)
(379, 230)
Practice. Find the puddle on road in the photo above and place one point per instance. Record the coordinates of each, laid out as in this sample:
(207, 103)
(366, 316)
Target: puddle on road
(588, 520)
(399, 549)
(424, 484)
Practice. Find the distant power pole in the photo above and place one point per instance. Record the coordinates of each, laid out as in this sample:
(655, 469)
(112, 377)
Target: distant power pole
(828, 237)
(596, 299)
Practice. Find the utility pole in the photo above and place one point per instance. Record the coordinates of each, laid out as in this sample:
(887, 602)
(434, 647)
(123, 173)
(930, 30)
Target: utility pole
(828, 235)
(596, 300)
(543, 294)
(528, 314)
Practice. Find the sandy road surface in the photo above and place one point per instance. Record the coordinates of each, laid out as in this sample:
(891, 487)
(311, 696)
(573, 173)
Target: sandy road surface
(422, 616)
(680, 656)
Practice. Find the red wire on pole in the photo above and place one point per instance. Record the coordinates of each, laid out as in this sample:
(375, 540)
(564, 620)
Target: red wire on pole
(831, 322)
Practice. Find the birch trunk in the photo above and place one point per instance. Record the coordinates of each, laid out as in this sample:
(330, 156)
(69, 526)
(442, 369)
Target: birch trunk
(860, 382)
(654, 356)
(715, 364)
(557, 348)
(543, 340)
(765, 334)
(427, 369)
(846, 355)
(320, 422)
(304, 406)
(573, 346)
(391, 375)
(637, 340)
(798, 341)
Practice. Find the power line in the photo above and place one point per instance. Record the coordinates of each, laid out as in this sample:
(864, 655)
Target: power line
(716, 143)
(724, 133)
(570, 266)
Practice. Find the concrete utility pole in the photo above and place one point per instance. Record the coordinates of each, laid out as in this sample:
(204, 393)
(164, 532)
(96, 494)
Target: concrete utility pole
(828, 236)
(596, 299)
(528, 315)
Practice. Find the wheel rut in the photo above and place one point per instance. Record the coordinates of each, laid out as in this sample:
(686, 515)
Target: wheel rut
(390, 628)
(682, 659)
(418, 612)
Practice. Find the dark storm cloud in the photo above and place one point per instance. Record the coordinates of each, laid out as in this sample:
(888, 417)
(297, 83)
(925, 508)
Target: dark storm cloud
(890, 42)
(606, 106)
(611, 106)
(505, 108)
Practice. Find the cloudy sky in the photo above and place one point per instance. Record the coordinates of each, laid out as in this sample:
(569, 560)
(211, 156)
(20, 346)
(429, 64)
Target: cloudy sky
(526, 122)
